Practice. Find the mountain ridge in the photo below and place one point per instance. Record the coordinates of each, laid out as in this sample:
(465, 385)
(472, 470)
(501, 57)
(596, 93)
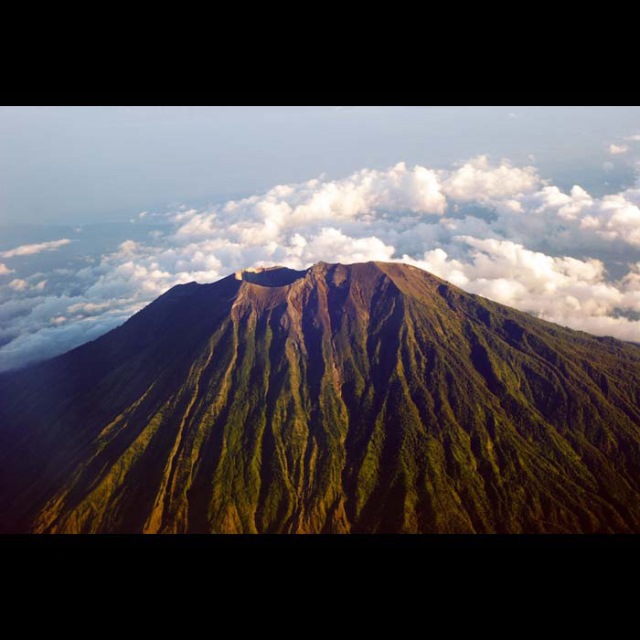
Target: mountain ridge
(372, 397)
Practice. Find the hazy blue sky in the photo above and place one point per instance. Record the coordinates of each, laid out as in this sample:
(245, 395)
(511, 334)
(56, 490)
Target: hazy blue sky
(104, 209)
(83, 164)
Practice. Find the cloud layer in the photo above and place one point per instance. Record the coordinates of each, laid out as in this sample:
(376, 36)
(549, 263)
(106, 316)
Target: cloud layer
(490, 227)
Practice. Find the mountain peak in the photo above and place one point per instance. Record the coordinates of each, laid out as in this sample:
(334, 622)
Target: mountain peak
(276, 276)
(281, 276)
(371, 397)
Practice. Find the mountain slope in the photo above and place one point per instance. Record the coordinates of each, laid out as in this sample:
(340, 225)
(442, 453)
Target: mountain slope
(364, 398)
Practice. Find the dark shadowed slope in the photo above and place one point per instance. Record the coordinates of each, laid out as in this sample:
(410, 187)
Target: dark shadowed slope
(365, 398)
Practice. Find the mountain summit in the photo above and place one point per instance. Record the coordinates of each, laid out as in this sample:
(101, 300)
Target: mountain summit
(345, 398)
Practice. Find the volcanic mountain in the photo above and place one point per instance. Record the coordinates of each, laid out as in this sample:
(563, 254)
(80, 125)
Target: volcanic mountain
(363, 398)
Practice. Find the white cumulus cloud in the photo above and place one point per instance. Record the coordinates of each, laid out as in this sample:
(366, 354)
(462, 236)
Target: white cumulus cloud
(31, 249)
(570, 292)
(492, 228)
(478, 181)
(17, 284)
(618, 149)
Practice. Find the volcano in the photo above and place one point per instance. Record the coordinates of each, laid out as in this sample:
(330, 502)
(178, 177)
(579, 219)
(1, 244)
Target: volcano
(369, 397)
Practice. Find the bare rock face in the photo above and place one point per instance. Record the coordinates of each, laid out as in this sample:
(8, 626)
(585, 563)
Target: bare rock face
(345, 398)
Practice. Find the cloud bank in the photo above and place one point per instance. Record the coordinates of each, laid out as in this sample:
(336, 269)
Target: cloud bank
(489, 227)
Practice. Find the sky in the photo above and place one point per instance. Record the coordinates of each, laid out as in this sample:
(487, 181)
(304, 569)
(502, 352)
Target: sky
(102, 209)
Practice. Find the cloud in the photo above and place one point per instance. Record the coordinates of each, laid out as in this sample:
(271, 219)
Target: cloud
(31, 249)
(478, 181)
(345, 249)
(262, 219)
(19, 285)
(571, 222)
(54, 339)
(634, 138)
(564, 290)
(617, 149)
(492, 228)
(4, 270)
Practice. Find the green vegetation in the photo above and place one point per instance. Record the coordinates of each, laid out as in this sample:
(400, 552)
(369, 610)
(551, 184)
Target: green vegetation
(364, 398)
